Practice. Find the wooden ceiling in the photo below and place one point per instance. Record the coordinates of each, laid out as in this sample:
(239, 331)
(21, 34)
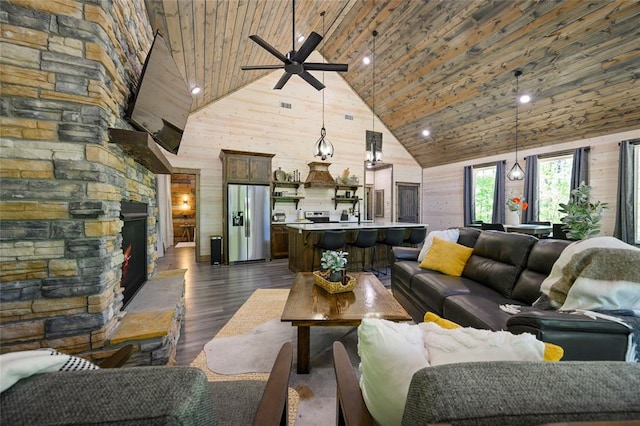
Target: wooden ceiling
(445, 65)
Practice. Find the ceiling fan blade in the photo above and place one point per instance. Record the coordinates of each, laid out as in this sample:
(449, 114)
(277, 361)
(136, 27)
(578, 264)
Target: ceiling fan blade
(266, 46)
(261, 67)
(316, 66)
(311, 80)
(283, 80)
(308, 46)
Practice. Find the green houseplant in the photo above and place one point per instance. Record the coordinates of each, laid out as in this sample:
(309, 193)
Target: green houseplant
(334, 263)
(582, 218)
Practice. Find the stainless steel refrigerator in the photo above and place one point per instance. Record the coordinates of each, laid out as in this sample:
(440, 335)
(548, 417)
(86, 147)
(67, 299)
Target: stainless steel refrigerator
(248, 221)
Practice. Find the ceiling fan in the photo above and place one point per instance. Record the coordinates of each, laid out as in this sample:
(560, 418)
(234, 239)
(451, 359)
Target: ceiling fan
(294, 61)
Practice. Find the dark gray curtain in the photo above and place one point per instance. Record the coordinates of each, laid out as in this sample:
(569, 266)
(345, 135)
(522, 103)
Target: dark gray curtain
(499, 200)
(531, 189)
(580, 169)
(625, 228)
(468, 201)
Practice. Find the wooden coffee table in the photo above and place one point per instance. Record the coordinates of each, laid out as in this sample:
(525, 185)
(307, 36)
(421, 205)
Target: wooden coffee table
(311, 306)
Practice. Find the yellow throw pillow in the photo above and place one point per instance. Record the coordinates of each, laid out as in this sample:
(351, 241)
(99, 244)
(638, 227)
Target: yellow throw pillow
(551, 352)
(442, 322)
(446, 257)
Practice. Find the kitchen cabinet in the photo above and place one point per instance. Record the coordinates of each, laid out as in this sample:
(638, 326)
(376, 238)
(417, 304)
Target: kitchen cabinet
(284, 196)
(279, 241)
(346, 194)
(246, 167)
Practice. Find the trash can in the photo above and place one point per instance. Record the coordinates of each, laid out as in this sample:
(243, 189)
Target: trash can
(216, 249)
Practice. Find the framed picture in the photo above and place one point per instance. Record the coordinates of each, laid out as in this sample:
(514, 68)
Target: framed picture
(379, 203)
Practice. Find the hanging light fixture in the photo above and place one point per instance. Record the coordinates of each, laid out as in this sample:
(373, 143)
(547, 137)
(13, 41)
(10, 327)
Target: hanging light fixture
(374, 152)
(323, 148)
(516, 172)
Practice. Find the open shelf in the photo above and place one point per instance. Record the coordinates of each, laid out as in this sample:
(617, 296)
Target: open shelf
(285, 198)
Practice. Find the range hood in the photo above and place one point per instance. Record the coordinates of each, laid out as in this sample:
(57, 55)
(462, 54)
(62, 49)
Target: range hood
(319, 176)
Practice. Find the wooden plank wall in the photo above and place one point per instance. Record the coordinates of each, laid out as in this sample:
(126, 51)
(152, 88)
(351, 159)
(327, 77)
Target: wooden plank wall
(442, 187)
(252, 119)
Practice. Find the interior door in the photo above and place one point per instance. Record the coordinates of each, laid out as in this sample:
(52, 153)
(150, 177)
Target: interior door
(408, 202)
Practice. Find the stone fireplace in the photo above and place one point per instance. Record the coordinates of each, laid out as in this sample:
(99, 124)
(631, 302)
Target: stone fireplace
(69, 69)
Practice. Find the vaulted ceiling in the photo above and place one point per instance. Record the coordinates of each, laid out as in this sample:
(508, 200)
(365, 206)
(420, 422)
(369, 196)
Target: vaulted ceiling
(444, 65)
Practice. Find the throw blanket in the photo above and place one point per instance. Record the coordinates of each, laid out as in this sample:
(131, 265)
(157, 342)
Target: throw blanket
(600, 273)
(15, 366)
(598, 277)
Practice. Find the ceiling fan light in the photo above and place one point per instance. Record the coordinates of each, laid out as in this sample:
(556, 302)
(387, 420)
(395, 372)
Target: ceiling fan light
(516, 172)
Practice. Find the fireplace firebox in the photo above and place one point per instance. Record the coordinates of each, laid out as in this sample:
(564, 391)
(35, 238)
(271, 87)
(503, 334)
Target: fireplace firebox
(134, 248)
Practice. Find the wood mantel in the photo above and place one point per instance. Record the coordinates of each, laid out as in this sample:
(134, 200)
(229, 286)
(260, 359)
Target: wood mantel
(143, 149)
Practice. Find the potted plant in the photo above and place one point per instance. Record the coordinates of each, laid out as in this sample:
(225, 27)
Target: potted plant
(582, 218)
(334, 263)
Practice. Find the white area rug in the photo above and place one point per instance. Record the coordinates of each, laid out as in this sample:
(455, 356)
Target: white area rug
(186, 244)
(256, 351)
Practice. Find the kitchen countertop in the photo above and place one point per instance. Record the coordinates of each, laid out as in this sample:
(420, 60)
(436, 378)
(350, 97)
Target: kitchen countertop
(351, 225)
(306, 222)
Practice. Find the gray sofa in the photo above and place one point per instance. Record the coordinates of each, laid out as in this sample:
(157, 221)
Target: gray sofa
(148, 396)
(505, 268)
(503, 393)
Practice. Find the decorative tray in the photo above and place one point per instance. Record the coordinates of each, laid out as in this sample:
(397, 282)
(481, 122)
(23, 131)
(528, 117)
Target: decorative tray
(332, 286)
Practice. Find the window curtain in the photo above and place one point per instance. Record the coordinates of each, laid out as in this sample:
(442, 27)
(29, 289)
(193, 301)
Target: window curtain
(624, 227)
(580, 169)
(499, 200)
(164, 226)
(531, 189)
(468, 204)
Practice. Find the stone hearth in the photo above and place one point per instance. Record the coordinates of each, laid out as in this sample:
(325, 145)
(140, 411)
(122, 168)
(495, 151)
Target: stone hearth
(152, 320)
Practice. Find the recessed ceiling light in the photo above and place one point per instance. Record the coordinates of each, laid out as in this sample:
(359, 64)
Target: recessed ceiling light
(300, 38)
(524, 99)
(195, 90)
(426, 133)
(366, 60)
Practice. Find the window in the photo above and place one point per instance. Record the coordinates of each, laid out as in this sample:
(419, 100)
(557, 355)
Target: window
(636, 173)
(483, 187)
(554, 186)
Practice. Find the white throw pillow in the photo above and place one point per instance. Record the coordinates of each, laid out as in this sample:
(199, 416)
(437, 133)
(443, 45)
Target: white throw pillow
(447, 235)
(452, 346)
(390, 353)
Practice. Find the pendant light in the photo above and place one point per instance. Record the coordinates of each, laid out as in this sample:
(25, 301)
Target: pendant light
(516, 172)
(323, 148)
(374, 155)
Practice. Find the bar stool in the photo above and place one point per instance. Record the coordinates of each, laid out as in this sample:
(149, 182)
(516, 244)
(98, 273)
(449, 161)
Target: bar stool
(329, 240)
(366, 238)
(394, 237)
(416, 236)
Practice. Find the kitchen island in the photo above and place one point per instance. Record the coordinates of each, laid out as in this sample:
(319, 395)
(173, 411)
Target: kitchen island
(303, 237)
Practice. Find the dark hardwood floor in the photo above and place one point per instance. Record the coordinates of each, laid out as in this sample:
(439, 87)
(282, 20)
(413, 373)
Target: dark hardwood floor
(213, 293)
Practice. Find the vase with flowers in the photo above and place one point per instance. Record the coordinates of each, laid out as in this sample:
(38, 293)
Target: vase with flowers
(515, 204)
(334, 263)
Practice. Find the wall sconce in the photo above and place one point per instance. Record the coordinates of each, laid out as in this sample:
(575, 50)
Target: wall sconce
(185, 202)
